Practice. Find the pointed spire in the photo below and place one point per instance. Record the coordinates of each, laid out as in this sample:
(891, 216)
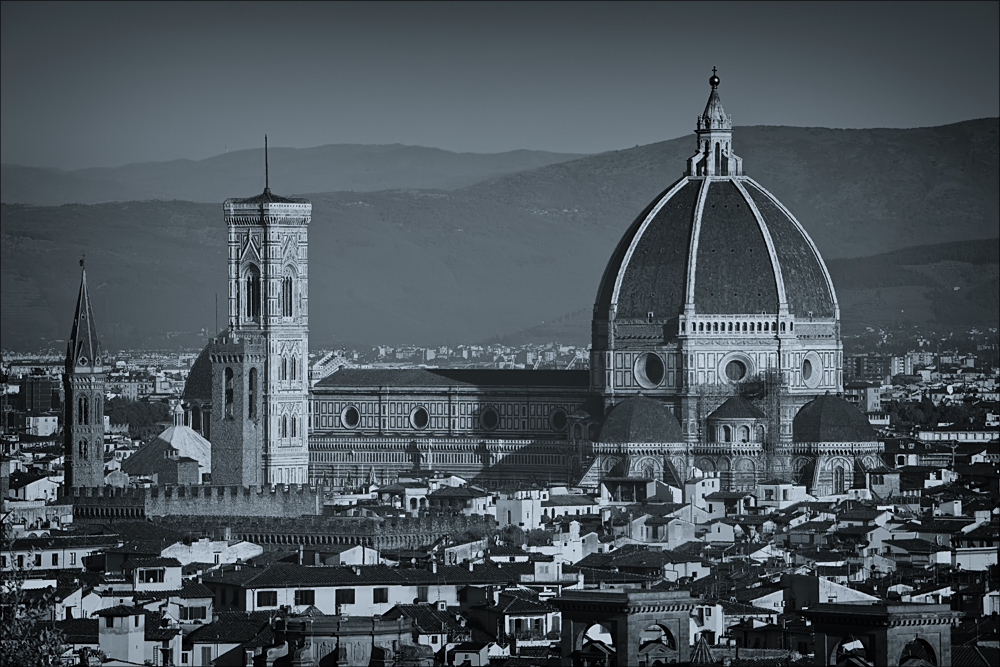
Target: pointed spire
(702, 654)
(267, 185)
(84, 348)
(714, 117)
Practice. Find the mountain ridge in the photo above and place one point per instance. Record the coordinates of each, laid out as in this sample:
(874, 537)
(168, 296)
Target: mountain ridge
(499, 257)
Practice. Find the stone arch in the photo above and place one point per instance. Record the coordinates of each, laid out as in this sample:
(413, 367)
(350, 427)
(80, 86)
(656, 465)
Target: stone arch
(706, 464)
(915, 651)
(657, 634)
(852, 647)
(601, 632)
(649, 466)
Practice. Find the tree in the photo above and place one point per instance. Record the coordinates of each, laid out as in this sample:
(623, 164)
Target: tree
(30, 637)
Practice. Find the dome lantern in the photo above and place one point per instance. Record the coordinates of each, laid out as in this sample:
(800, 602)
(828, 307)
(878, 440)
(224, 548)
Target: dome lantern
(714, 130)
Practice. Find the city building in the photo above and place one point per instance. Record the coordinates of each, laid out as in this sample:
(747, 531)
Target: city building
(716, 347)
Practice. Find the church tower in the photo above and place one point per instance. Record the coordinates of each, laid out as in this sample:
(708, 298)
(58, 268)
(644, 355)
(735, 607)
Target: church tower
(84, 382)
(260, 387)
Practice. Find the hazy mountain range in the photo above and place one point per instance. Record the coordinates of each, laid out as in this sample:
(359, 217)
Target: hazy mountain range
(518, 256)
(322, 169)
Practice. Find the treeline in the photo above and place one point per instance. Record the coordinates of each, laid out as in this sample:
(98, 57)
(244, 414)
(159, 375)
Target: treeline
(926, 414)
(145, 419)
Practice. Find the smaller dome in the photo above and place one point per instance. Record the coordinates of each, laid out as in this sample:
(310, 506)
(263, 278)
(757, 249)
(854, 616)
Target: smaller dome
(830, 418)
(737, 407)
(198, 385)
(640, 419)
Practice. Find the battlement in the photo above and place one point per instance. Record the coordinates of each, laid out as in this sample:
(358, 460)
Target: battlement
(288, 501)
(236, 347)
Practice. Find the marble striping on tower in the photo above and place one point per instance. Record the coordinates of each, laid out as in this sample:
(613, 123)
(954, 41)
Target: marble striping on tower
(715, 347)
(259, 388)
(84, 382)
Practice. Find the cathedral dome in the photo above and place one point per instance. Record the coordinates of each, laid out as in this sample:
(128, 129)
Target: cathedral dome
(716, 243)
(640, 419)
(830, 418)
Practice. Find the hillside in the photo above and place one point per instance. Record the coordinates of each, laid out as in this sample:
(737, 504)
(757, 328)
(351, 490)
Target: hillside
(329, 168)
(521, 255)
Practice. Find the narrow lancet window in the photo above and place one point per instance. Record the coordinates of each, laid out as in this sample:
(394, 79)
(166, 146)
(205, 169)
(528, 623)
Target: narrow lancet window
(229, 393)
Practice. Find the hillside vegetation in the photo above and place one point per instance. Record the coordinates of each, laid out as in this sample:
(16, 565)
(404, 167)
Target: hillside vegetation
(522, 254)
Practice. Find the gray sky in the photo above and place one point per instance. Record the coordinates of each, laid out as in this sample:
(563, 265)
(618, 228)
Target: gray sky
(87, 84)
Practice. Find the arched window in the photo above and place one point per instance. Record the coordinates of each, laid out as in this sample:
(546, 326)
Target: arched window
(252, 293)
(229, 392)
(727, 434)
(718, 159)
(701, 326)
(782, 327)
(252, 394)
(294, 420)
(715, 327)
(744, 326)
(767, 326)
(744, 434)
(838, 480)
(294, 365)
(286, 295)
(284, 426)
(81, 410)
(284, 368)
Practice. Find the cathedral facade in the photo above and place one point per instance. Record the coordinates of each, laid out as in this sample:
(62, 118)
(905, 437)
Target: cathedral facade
(715, 348)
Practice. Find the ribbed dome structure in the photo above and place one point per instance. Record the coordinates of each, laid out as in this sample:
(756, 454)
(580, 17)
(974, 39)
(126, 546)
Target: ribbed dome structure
(640, 420)
(715, 242)
(830, 418)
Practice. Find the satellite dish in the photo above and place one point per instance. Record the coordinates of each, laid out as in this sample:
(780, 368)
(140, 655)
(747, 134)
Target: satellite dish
(413, 561)
(524, 547)
(479, 554)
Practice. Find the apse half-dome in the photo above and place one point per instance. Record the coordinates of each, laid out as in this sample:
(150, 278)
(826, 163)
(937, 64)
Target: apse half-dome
(830, 418)
(640, 419)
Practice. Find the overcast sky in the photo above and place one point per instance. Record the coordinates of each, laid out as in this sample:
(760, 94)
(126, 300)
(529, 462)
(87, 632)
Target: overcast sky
(87, 84)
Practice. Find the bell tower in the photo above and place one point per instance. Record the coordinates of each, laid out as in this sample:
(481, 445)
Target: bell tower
(84, 382)
(264, 357)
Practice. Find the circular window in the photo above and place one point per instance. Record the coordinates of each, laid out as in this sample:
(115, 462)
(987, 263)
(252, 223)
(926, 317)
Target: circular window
(736, 370)
(419, 418)
(489, 418)
(812, 370)
(557, 420)
(648, 370)
(350, 417)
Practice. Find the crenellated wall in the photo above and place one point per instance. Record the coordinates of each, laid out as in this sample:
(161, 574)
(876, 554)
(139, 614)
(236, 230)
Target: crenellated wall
(105, 503)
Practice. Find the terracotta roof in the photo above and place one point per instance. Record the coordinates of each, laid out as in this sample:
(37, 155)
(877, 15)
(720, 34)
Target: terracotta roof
(267, 197)
(451, 377)
(149, 458)
(640, 419)
(230, 627)
(737, 407)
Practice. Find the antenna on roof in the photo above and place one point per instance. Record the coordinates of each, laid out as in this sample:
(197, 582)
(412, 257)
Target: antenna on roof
(266, 175)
